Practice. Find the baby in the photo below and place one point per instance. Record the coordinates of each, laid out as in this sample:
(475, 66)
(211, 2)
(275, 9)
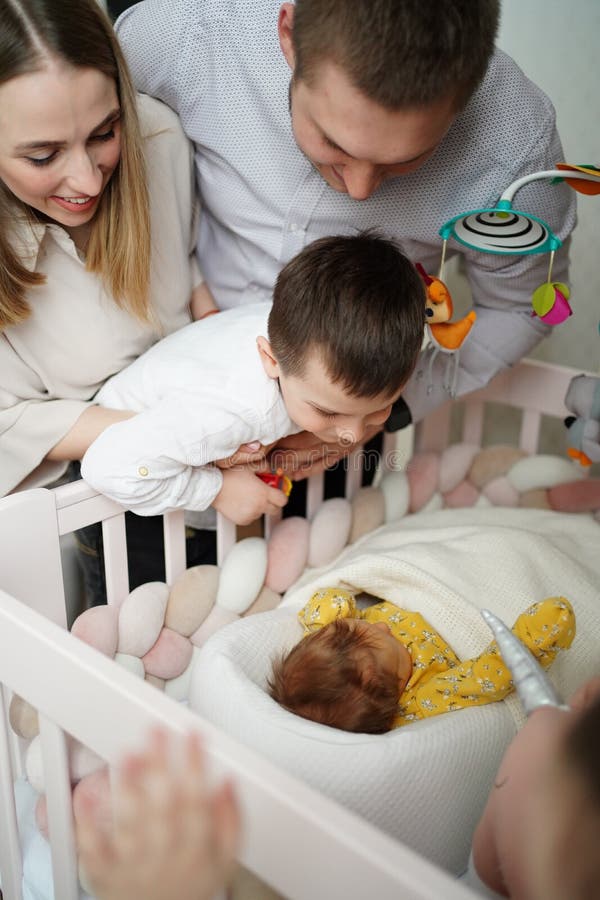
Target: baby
(329, 356)
(374, 670)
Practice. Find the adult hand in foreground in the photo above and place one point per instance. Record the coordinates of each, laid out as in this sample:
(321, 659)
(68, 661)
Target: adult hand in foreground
(173, 837)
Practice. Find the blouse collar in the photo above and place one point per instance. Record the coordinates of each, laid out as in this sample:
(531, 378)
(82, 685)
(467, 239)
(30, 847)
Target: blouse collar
(27, 238)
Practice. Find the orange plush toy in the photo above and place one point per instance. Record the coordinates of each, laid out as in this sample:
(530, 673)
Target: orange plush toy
(438, 309)
(445, 336)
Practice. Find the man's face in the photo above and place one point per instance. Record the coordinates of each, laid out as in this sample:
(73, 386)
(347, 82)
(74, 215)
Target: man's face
(355, 143)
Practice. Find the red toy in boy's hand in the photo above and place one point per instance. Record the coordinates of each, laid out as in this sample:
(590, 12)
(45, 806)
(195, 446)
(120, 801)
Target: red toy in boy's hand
(278, 480)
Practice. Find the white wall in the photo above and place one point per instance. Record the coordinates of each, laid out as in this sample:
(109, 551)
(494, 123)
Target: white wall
(557, 44)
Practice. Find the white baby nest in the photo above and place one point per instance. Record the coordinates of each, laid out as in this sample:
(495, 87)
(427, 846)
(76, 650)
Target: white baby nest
(424, 784)
(410, 783)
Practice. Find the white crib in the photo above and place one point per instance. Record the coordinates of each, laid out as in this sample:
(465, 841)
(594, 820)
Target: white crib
(80, 693)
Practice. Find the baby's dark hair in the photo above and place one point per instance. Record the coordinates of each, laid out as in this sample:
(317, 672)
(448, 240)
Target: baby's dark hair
(334, 677)
(359, 303)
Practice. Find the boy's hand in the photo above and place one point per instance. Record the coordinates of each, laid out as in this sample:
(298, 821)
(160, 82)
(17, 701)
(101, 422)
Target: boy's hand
(304, 454)
(244, 497)
(173, 837)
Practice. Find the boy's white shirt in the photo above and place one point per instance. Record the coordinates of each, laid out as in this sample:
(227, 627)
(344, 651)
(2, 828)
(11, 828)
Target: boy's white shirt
(200, 394)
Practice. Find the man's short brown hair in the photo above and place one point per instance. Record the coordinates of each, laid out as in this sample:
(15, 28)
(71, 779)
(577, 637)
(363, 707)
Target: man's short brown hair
(356, 301)
(399, 53)
(333, 677)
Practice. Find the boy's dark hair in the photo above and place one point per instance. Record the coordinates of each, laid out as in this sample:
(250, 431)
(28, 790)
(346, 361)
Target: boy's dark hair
(399, 53)
(333, 677)
(359, 303)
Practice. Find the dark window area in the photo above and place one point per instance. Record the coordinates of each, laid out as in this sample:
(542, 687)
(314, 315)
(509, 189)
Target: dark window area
(116, 7)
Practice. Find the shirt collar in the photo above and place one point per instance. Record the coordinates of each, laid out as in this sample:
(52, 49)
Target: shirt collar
(27, 238)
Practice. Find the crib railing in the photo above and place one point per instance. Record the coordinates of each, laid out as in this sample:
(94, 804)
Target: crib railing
(347, 858)
(535, 388)
(341, 855)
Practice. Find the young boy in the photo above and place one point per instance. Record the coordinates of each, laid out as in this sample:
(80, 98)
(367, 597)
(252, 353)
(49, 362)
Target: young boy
(343, 335)
(374, 670)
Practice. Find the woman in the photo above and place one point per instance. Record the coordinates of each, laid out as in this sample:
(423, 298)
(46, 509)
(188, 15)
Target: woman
(96, 236)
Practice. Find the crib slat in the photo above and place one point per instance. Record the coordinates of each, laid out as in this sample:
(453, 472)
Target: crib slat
(314, 494)
(174, 535)
(530, 430)
(115, 559)
(433, 433)
(30, 565)
(11, 864)
(354, 464)
(60, 816)
(226, 537)
(269, 523)
(472, 431)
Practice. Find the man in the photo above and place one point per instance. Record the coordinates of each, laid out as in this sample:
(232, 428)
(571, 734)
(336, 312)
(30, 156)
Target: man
(330, 116)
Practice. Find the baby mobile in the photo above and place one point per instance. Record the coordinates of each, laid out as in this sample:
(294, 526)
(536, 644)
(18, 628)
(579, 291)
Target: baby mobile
(504, 231)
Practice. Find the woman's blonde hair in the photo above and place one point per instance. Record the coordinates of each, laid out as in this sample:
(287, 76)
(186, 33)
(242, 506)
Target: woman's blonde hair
(79, 33)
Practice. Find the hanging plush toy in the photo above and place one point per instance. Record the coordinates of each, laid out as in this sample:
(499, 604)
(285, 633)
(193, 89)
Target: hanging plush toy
(583, 400)
(551, 302)
(444, 336)
(506, 231)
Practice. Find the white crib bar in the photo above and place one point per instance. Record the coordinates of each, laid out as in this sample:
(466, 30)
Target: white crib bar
(314, 494)
(174, 536)
(30, 565)
(348, 858)
(472, 431)
(529, 434)
(55, 760)
(115, 559)
(354, 470)
(11, 864)
(226, 536)
(433, 432)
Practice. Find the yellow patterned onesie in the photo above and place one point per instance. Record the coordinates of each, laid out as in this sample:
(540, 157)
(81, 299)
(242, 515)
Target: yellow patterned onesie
(440, 682)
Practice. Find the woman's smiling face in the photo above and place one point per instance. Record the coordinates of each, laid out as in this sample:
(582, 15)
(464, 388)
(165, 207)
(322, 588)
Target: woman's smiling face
(60, 140)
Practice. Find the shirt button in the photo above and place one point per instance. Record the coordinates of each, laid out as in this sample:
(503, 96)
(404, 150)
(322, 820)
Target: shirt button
(293, 227)
(143, 471)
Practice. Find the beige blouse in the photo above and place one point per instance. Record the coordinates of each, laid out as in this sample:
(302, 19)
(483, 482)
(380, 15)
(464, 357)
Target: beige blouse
(52, 365)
